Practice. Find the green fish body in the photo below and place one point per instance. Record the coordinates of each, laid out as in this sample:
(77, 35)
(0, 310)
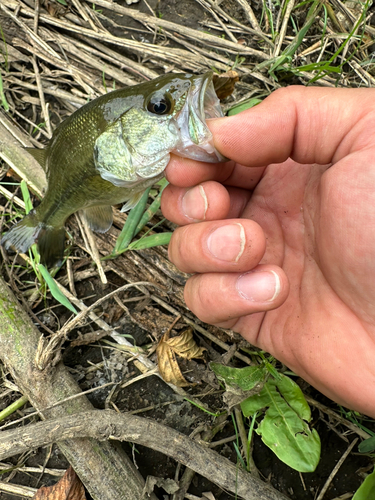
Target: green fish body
(112, 149)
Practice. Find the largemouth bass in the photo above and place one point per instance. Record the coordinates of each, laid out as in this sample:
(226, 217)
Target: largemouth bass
(112, 149)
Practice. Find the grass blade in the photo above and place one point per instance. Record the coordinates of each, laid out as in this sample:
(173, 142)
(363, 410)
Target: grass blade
(56, 293)
(3, 100)
(344, 44)
(131, 223)
(151, 241)
(249, 103)
(152, 209)
(9, 410)
(26, 197)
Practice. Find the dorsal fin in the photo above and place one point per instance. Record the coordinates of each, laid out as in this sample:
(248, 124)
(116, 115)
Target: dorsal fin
(39, 155)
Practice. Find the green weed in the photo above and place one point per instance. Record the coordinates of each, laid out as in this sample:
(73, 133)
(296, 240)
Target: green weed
(282, 409)
(138, 217)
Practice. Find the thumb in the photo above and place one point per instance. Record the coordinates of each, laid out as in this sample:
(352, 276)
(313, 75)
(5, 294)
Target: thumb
(307, 124)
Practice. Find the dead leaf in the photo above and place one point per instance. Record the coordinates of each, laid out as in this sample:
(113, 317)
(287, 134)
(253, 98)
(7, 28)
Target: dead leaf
(224, 84)
(56, 8)
(168, 366)
(68, 488)
(12, 173)
(183, 345)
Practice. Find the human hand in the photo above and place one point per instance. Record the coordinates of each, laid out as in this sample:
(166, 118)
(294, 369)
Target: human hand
(282, 238)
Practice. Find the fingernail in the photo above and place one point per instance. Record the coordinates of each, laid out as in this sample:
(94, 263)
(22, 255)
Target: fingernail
(194, 203)
(259, 286)
(227, 242)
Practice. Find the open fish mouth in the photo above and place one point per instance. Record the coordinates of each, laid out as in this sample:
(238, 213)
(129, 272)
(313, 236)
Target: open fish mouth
(202, 103)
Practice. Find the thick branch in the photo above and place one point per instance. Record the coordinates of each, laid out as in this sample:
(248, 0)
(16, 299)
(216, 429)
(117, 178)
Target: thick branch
(105, 424)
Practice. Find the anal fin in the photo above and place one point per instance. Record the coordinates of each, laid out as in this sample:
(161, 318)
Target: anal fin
(51, 244)
(99, 218)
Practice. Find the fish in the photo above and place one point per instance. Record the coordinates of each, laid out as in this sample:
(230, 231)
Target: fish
(111, 150)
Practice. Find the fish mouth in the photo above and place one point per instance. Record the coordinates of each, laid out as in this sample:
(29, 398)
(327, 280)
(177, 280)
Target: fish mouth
(201, 104)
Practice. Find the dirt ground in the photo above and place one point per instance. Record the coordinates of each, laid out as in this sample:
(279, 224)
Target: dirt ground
(144, 321)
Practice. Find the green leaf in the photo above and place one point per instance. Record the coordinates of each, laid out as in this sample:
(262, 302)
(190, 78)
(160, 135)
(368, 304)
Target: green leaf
(284, 428)
(322, 66)
(55, 291)
(292, 393)
(131, 223)
(152, 209)
(367, 446)
(249, 103)
(34, 253)
(310, 19)
(367, 489)
(244, 378)
(26, 197)
(346, 41)
(151, 241)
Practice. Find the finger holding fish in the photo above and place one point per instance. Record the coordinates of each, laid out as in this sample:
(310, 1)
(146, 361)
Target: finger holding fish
(185, 172)
(206, 201)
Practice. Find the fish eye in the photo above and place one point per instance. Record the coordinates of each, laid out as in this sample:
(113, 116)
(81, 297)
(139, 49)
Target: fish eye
(160, 104)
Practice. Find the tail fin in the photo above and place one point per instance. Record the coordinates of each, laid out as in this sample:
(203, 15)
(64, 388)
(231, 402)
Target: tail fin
(30, 230)
(23, 234)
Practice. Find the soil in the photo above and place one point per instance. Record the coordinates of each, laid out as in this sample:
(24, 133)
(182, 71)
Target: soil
(94, 366)
(99, 363)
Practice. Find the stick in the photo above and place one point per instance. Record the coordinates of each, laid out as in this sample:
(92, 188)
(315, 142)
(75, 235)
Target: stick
(108, 424)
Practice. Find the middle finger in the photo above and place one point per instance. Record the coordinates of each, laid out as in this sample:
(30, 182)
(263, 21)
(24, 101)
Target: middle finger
(232, 245)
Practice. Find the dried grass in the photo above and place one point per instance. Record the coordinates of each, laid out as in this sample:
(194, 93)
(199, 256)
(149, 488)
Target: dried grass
(55, 57)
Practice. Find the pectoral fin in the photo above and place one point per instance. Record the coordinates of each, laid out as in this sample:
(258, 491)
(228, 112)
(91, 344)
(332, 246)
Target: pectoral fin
(99, 218)
(131, 203)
